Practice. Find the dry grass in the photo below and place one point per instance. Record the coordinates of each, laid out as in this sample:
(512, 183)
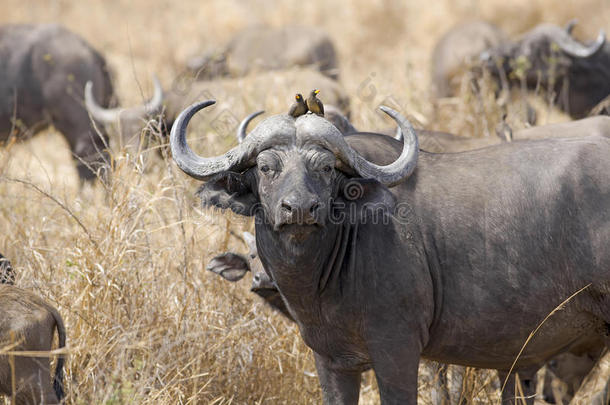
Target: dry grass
(125, 263)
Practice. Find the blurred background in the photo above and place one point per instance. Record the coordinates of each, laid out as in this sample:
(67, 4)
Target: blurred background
(146, 323)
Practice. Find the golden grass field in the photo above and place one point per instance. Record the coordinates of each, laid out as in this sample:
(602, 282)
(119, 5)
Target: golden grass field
(125, 262)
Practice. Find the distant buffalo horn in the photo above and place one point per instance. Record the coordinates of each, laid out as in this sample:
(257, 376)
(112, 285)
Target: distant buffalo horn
(243, 126)
(111, 115)
(243, 155)
(570, 25)
(574, 48)
(398, 134)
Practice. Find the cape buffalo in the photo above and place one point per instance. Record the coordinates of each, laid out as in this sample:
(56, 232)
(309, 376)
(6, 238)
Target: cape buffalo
(43, 71)
(454, 257)
(267, 48)
(577, 74)
(28, 324)
(570, 368)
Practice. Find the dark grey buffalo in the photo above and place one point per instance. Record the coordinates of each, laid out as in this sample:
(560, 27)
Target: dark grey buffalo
(43, 71)
(570, 368)
(267, 48)
(458, 49)
(454, 257)
(549, 57)
(28, 323)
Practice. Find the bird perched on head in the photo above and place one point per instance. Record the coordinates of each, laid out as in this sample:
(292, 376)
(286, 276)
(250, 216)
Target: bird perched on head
(299, 107)
(314, 104)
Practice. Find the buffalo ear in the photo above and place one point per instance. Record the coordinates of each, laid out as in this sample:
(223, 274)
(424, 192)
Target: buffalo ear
(230, 266)
(364, 199)
(232, 191)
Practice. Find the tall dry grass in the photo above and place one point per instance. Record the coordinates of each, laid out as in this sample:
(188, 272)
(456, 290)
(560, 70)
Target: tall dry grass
(124, 262)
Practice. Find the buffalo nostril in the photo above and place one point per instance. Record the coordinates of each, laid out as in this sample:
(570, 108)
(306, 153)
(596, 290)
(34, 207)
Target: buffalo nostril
(314, 208)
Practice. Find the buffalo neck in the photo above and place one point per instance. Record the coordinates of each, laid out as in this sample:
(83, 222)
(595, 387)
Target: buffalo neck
(307, 270)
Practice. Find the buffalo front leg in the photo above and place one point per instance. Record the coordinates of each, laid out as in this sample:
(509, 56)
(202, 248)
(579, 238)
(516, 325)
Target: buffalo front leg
(396, 372)
(338, 387)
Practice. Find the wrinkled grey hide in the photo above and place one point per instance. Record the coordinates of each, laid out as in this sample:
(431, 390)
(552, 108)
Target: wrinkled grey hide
(43, 71)
(571, 367)
(578, 73)
(33, 322)
(267, 48)
(458, 262)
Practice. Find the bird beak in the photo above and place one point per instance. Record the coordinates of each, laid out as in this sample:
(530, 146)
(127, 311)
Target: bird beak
(316, 92)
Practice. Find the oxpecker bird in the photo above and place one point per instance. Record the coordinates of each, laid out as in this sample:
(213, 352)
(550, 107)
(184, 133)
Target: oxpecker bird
(299, 107)
(314, 104)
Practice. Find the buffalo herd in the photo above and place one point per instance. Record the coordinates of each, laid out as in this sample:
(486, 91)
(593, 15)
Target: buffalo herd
(384, 247)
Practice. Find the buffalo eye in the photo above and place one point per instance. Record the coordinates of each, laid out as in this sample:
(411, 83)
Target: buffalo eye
(265, 169)
(327, 169)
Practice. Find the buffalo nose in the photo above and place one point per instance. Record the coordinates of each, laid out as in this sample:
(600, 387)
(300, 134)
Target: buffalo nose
(300, 207)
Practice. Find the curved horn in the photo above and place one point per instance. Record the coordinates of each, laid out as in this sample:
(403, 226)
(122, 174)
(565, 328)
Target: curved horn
(389, 175)
(241, 156)
(156, 101)
(402, 167)
(243, 126)
(574, 48)
(398, 134)
(238, 158)
(570, 25)
(99, 113)
(111, 115)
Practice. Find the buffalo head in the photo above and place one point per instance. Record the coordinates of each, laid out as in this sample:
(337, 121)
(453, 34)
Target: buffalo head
(292, 173)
